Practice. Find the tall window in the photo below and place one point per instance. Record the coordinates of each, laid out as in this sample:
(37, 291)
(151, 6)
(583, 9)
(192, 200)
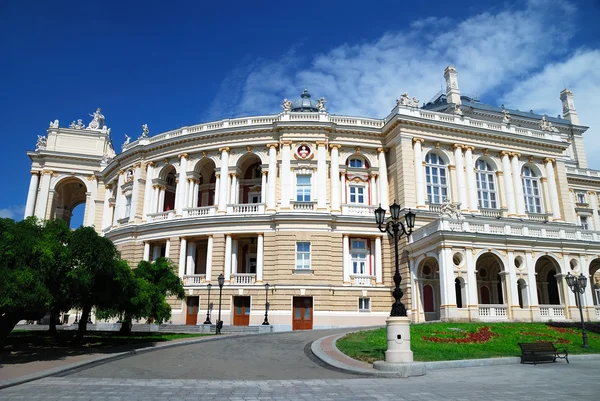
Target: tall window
(581, 198)
(585, 223)
(359, 255)
(357, 194)
(486, 188)
(303, 188)
(436, 173)
(127, 206)
(531, 191)
(302, 255)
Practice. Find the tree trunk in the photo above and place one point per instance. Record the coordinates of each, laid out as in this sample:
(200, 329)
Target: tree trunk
(126, 325)
(85, 313)
(52, 324)
(8, 321)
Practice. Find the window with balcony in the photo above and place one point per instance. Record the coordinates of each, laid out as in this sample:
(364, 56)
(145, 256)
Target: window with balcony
(364, 304)
(581, 198)
(303, 255)
(436, 175)
(357, 194)
(359, 257)
(303, 186)
(585, 223)
(531, 191)
(486, 186)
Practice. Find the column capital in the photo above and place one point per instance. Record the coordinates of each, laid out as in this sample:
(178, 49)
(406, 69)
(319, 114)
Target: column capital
(272, 145)
(374, 174)
(335, 145)
(285, 142)
(263, 172)
(499, 173)
(550, 160)
(108, 186)
(233, 174)
(451, 167)
(137, 165)
(591, 193)
(543, 179)
(420, 140)
(121, 172)
(224, 149)
(515, 154)
(381, 150)
(33, 172)
(458, 146)
(182, 155)
(504, 153)
(321, 143)
(468, 147)
(149, 164)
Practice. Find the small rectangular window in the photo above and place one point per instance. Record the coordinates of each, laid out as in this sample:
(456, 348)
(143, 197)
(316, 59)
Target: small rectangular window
(585, 223)
(357, 194)
(303, 188)
(302, 255)
(364, 304)
(127, 206)
(581, 197)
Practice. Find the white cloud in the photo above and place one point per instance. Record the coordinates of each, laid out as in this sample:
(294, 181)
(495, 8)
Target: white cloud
(500, 55)
(13, 212)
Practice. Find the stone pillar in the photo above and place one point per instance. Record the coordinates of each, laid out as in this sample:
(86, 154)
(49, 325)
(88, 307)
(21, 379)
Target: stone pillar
(155, 198)
(168, 248)
(234, 255)
(32, 194)
(209, 258)
(594, 204)
(343, 187)
(234, 180)
(471, 284)
(271, 193)
(556, 215)
(286, 179)
(383, 181)
(471, 180)
(148, 190)
(180, 198)
(263, 187)
(532, 294)
(508, 184)
(43, 195)
(190, 264)
(135, 190)
(147, 251)
(321, 175)
(120, 197)
(217, 188)
(346, 259)
(460, 177)
(501, 193)
(106, 214)
(182, 256)
(447, 290)
(335, 179)
(259, 257)
(227, 266)
(378, 261)
(419, 176)
(373, 187)
(224, 177)
(161, 198)
(518, 185)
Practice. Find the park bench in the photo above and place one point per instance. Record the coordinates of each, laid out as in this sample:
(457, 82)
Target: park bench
(541, 352)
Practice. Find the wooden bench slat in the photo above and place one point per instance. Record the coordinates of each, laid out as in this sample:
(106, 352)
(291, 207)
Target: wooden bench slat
(531, 351)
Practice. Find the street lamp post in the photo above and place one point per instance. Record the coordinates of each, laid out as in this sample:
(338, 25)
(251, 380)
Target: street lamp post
(396, 228)
(221, 280)
(207, 321)
(577, 285)
(266, 322)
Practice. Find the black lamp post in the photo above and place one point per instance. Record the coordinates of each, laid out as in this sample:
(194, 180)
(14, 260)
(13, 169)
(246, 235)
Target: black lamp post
(397, 229)
(266, 322)
(207, 321)
(577, 285)
(221, 280)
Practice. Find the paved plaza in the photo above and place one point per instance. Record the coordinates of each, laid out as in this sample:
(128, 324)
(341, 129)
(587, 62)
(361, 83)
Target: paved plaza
(279, 367)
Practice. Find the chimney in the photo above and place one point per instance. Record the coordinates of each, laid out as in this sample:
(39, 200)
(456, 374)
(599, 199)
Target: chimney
(568, 106)
(452, 91)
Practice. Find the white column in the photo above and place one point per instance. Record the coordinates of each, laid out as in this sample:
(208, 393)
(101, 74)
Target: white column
(155, 198)
(263, 187)
(190, 264)
(383, 181)
(271, 198)
(378, 261)
(106, 214)
(471, 281)
(120, 197)
(233, 192)
(227, 266)
(43, 195)
(321, 175)
(161, 198)
(195, 188)
(346, 259)
(217, 187)
(471, 181)
(460, 177)
(594, 203)
(147, 251)
(286, 180)
(373, 186)
(182, 256)
(224, 177)
(148, 190)
(259, 257)
(209, 257)
(508, 184)
(553, 189)
(234, 255)
(180, 199)
(343, 189)
(168, 248)
(511, 296)
(32, 193)
(532, 293)
(335, 178)
(447, 290)
(517, 184)
(135, 191)
(419, 178)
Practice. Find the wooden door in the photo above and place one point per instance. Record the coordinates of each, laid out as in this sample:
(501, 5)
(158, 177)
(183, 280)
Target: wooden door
(191, 317)
(241, 311)
(302, 314)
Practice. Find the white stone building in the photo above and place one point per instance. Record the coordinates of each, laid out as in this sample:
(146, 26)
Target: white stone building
(505, 204)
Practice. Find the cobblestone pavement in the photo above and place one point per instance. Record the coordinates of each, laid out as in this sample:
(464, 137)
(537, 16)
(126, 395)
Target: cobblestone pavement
(558, 381)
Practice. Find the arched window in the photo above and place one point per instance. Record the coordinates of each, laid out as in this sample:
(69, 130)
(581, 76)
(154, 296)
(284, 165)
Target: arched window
(486, 186)
(531, 191)
(436, 174)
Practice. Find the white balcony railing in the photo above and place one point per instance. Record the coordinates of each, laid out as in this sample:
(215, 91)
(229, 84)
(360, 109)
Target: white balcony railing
(598, 312)
(361, 280)
(359, 210)
(243, 278)
(246, 208)
(552, 311)
(161, 216)
(194, 279)
(304, 205)
(492, 311)
(199, 211)
(538, 216)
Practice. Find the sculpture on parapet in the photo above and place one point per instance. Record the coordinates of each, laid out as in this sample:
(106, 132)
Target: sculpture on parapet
(321, 105)
(505, 116)
(457, 110)
(405, 100)
(450, 209)
(127, 140)
(97, 121)
(77, 125)
(145, 131)
(286, 105)
(54, 124)
(42, 142)
(546, 125)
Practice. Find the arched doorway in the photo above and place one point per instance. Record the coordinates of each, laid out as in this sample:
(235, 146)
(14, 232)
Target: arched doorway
(548, 289)
(490, 286)
(69, 194)
(250, 184)
(428, 278)
(460, 292)
(169, 177)
(594, 284)
(206, 184)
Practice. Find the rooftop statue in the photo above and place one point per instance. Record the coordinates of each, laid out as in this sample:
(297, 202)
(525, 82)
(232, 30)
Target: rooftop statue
(546, 125)
(145, 131)
(42, 142)
(54, 124)
(405, 100)
(78, 125)
(321, 105)
(98, 120)
(286, 105)
(450, 209)
(457, 110)
(127, 140)
(506, 116)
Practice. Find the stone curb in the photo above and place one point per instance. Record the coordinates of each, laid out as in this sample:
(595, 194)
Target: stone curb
(102, 359)
(317, 350)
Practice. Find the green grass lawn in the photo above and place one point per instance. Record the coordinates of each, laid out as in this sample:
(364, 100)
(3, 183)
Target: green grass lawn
(454, 341)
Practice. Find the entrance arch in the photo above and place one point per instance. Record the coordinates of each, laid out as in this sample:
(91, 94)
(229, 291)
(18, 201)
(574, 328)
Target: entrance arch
(250, 183)
(205, 194)
(68, 194)
(594, 283)
(489, 281)
(428, 278)
(546, 269)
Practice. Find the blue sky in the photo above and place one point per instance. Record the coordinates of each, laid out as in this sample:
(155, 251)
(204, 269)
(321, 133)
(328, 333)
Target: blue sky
(177, 63)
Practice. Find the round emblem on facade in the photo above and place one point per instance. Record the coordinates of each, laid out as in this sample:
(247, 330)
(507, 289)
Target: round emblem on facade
(303, 151)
